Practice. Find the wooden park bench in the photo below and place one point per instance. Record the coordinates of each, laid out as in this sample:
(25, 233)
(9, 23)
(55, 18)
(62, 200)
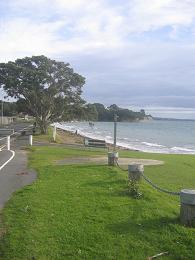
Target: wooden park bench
(89, 142)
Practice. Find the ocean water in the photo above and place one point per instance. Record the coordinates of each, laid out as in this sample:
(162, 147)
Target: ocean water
(158, 136)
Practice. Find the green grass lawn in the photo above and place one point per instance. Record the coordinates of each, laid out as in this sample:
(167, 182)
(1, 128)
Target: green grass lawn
(85, 211)
(43, 137)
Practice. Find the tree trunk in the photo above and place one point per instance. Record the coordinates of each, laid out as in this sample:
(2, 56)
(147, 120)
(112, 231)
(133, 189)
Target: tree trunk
(43, 125)
(44, 128)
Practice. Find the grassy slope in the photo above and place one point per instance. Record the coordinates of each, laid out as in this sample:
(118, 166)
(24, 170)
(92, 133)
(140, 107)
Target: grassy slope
(42, 137)
(84, 212)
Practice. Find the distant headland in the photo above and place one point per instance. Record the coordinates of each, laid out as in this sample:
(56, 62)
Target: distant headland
(98, 112)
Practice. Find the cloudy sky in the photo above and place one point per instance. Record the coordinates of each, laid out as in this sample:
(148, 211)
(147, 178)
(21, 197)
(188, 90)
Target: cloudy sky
(135, 53)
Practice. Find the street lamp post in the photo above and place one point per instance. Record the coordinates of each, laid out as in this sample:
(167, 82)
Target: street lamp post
(113, 156)
(115, 129)
(2, 112)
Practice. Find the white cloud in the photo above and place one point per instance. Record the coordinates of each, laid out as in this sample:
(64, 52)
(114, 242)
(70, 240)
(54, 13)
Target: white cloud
(153, 14)
(53, 27)
(109, 42)
(64, 27)
(22, 37)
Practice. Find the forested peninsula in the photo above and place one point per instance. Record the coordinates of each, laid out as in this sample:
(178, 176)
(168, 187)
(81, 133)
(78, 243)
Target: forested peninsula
(87, 112)
(98, 112)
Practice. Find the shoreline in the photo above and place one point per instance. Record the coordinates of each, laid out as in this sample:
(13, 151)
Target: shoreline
(75, 139)
(71, 138)
(151, 148)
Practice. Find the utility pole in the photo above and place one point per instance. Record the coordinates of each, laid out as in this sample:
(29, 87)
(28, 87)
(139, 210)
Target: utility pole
(115, 130)
(1, 112)
(113, 156)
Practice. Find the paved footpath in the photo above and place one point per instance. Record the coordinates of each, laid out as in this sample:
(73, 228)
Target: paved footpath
(15, 173)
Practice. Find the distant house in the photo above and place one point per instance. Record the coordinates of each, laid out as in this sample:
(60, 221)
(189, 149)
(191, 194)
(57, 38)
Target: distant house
(6, 120)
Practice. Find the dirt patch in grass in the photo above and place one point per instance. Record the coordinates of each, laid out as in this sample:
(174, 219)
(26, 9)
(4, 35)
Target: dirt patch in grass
(103, 160)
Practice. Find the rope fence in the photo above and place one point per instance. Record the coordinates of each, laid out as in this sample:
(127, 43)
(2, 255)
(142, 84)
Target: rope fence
(150, 182)
(159, 188)
(125, 170)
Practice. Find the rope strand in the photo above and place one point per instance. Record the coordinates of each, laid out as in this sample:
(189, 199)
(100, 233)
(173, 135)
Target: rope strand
(125, 170)
(158, 188)
(151, 183)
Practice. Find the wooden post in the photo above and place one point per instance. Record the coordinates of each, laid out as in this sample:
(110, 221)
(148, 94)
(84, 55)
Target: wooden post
(30, 140)
(135, 171)
(112, 157)
(187, 209)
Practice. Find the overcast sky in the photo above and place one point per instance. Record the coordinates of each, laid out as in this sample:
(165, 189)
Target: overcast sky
(135, 53)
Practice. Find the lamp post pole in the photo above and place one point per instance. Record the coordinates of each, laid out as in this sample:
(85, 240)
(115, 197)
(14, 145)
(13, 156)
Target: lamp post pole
(2, 112)
(113, 156)
(115, 129)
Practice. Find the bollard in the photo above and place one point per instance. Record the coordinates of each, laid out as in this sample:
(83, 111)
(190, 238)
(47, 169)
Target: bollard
(54, 133)
(187, 209)
(30, 140)
(135, 171)
(8, 143)
(112, 158)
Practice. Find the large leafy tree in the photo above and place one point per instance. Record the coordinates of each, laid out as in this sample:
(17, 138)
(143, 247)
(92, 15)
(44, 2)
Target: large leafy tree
(49, 88)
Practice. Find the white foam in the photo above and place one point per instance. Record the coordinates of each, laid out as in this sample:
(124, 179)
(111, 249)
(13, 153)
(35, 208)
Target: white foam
(182, 149)
(153, 144)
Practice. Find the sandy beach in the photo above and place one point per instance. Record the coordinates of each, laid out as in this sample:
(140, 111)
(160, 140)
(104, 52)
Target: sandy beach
(66, 137)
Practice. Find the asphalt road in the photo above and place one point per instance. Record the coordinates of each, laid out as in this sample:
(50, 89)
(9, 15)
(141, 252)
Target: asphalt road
(15, 126)
(15, 173)
(4, 156)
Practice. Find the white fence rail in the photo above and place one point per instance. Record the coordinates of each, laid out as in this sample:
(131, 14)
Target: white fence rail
(6, 131)
(5, 143)
(8, 135)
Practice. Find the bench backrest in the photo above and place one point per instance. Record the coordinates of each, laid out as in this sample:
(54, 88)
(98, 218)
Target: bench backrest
(94, 143)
